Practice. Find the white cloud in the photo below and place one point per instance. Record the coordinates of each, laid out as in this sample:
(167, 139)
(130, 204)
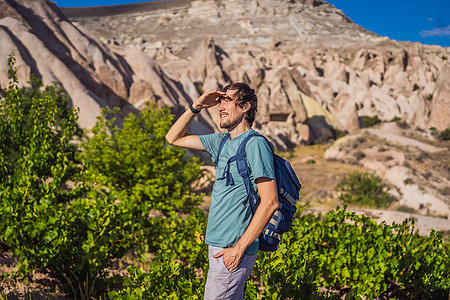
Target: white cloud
(442, 32)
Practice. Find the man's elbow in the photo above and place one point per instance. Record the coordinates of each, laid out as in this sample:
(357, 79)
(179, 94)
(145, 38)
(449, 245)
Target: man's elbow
(170, 139)
(272, 205)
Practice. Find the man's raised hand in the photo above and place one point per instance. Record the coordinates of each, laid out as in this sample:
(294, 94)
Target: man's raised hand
(208, 99)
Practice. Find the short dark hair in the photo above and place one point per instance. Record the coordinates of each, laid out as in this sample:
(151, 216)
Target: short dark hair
(245, 94)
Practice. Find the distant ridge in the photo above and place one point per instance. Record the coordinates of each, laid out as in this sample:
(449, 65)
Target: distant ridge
(110, 10)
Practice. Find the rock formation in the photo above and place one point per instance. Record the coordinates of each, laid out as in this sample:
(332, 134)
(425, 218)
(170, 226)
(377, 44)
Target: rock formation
(313, 69)
(418, 171)
(47, 44)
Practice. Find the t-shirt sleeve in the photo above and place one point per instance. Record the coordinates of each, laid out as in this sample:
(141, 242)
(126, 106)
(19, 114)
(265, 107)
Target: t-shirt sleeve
(260, 158)
(211, 142)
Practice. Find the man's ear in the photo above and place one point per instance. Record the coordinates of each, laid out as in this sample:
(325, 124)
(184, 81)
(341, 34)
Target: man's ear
(246, 107)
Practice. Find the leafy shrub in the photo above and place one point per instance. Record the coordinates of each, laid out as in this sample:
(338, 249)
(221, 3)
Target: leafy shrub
(422, 156)
(340, 250)
(135, 163)
(376, 267)
(363, 189)
(360, 139)
(367, 121)
(180, 267)
(406, 209)
(444, 135)
(344, 250)
(37, 162)
(71, 218)
(408, 181)
(182, 239)
(388, 158)
(292, 271)
(167, 279)
(339, 133)
(310, 162)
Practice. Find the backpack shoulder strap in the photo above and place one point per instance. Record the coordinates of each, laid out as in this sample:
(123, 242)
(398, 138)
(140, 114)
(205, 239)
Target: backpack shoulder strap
(222, 143)
(241, 163)
(240, 155)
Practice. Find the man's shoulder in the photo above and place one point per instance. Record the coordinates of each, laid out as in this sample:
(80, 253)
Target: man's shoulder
(217, 136)
(258, 139)
(260, 157)
(211, 142)
(259, 148)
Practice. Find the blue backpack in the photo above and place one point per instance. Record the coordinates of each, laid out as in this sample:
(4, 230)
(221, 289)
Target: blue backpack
(288, 187)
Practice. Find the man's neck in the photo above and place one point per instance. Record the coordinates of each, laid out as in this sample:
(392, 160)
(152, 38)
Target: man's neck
(238, 130)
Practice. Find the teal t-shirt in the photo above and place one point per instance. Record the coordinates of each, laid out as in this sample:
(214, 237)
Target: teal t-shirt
(228, 217)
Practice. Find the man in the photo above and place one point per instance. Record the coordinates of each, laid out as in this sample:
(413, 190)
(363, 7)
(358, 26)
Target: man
(232, 231)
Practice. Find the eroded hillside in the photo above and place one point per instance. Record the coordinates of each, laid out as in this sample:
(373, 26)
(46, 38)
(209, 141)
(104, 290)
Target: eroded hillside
(313, 68)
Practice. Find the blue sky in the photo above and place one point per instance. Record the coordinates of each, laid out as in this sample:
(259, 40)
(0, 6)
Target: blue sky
(425, 21)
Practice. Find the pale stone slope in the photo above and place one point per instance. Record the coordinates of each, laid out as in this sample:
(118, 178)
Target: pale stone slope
(285, 49)
(47, 44)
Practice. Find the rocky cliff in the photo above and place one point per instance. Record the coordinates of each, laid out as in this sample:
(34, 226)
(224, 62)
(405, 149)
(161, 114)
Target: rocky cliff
(313, 68)
(95, 75)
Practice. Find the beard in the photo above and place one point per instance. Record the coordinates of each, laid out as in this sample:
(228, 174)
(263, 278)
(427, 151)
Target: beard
(230, 124)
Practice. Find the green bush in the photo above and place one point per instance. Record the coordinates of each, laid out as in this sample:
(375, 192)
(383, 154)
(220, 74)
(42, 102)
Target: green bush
(310, 162)
(339, 133)
(37, 164)
(167, 279)
(402, 124)
(444, 135)
(146, 175)
(367, 121)
(363, 189)
(70, 214)
(340, 251)
(180, 267)
(182, 239)
(345, 250)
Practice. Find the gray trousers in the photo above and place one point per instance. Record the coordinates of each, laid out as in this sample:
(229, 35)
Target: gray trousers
(223, 284)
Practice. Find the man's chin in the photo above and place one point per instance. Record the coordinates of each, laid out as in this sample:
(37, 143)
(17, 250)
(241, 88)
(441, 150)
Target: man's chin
(225, 125)
(229, 124)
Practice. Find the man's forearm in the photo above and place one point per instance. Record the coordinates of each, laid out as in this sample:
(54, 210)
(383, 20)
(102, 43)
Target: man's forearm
(262, 216)
(267, 189)
(269, 204)
(178, 130)
(180, 127)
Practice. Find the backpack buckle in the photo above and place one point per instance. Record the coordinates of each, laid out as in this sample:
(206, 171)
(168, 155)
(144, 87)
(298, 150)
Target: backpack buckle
(244, 174)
